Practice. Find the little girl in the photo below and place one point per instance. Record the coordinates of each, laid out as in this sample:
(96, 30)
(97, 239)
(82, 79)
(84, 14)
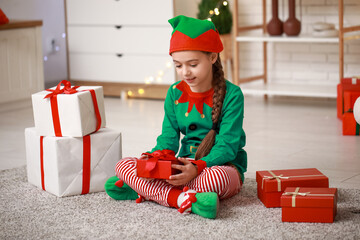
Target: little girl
(208, 110)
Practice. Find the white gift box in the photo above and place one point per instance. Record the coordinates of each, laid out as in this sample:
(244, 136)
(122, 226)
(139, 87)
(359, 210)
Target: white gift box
(58, 164)
(76, 112)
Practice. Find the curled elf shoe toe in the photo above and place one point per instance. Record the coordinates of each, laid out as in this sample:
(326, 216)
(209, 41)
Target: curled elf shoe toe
(119, 190)
(204, 204)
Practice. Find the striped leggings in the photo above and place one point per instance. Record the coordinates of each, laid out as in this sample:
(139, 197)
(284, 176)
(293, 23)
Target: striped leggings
(224, 180)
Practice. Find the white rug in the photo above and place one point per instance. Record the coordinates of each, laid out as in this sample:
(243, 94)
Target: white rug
(27, 212)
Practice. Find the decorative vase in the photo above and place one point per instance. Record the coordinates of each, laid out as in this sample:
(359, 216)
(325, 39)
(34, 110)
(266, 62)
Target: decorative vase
(275, 25)
(292, 26)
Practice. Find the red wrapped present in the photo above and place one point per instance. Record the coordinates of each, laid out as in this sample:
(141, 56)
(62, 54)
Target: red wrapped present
(309, 204)
(350, 126)
(157, 164)
(349, 85)
(350, 99)
(272, 183)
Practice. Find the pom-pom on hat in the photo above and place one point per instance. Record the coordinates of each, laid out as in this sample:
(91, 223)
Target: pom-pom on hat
(194, 34)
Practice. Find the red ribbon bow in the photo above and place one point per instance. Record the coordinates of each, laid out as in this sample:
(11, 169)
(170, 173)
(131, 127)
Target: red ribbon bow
(153, 158)
(67, 89)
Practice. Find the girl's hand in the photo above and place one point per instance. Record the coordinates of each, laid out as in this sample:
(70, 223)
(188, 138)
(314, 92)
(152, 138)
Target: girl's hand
(188, 173)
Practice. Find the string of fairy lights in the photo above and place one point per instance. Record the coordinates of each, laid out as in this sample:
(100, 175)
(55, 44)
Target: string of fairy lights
(216, 10)
(160, 74)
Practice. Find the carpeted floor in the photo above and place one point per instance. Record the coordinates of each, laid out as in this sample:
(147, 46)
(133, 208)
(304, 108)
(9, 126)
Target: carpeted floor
(27, 212)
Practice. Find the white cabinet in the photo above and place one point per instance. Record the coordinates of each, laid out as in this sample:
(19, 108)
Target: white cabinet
(21, 64)
(120, 41)
(112, 12)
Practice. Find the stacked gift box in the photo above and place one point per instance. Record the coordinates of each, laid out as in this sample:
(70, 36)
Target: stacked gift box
(303, 194)
(69, 151)
(348, 91)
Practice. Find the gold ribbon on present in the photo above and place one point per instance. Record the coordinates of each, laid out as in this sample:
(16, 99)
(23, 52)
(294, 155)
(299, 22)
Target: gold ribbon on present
(274, 177)
(279, 177)
(297, 193)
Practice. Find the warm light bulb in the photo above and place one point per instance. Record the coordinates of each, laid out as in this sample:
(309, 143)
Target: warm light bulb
(168, 65)
(209, 19)
(225, 3)
(141, 91)
(158, 79)
(217, 12)
(130, 93)
(211, 12)
(161, 73)
(147, 80)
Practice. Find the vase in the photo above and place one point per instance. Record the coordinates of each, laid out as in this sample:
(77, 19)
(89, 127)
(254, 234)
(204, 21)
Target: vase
(275, 25)
(292, 26)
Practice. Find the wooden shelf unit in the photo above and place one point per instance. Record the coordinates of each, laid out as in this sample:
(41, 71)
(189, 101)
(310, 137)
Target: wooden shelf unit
(241, 34)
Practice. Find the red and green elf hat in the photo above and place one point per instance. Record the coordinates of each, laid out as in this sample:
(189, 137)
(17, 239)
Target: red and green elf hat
(194, 34)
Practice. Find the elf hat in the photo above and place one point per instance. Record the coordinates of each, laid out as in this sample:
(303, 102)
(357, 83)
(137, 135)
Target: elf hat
(194, 34)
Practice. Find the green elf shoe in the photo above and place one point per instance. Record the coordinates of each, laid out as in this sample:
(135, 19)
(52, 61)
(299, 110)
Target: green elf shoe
(119, 190)
(204, 204)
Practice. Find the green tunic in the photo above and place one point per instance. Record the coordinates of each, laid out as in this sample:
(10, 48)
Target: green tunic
(189, 113)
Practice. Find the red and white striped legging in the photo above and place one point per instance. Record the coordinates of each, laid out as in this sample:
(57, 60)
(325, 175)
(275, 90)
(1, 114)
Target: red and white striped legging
(224, 180)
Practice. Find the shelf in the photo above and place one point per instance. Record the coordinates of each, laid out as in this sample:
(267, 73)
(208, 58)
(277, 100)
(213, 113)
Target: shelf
(303, 38)
(300, 38)
(257, 33)
(289, 89)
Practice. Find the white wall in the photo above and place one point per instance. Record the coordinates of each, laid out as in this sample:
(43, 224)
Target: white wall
(186, 7)
(51, 12)
(301, 62)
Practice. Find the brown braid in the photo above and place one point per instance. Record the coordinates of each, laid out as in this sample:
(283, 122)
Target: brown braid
(219, 86)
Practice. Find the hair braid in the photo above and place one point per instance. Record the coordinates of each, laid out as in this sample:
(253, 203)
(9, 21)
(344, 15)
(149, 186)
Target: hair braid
(219, 86)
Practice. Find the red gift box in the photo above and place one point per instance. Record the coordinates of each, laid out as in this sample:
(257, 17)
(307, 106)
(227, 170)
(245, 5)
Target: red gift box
(349, 85)
(309, 204)
(350, 126)
(350, 99)
(157, 165)
(272, 183)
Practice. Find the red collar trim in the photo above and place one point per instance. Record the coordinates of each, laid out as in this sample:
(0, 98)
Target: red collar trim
(195, 98)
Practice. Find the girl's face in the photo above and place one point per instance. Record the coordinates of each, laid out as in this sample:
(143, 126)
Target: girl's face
(195, 68)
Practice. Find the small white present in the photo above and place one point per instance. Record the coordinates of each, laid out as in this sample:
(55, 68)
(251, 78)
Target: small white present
(69, 111)
(66, 166)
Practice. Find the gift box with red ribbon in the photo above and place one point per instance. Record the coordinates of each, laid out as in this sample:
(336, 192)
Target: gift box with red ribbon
(346, 85)
(272, 183)
(309, 204)
(69, 110)
(66, 166)
(157, 164)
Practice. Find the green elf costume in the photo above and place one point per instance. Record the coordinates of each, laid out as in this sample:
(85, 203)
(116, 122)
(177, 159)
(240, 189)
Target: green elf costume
(190, 114)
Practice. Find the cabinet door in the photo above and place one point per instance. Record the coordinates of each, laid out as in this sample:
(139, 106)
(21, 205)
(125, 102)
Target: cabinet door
(112, 39)
(110, 68)
(112, 12)
(20, 64)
